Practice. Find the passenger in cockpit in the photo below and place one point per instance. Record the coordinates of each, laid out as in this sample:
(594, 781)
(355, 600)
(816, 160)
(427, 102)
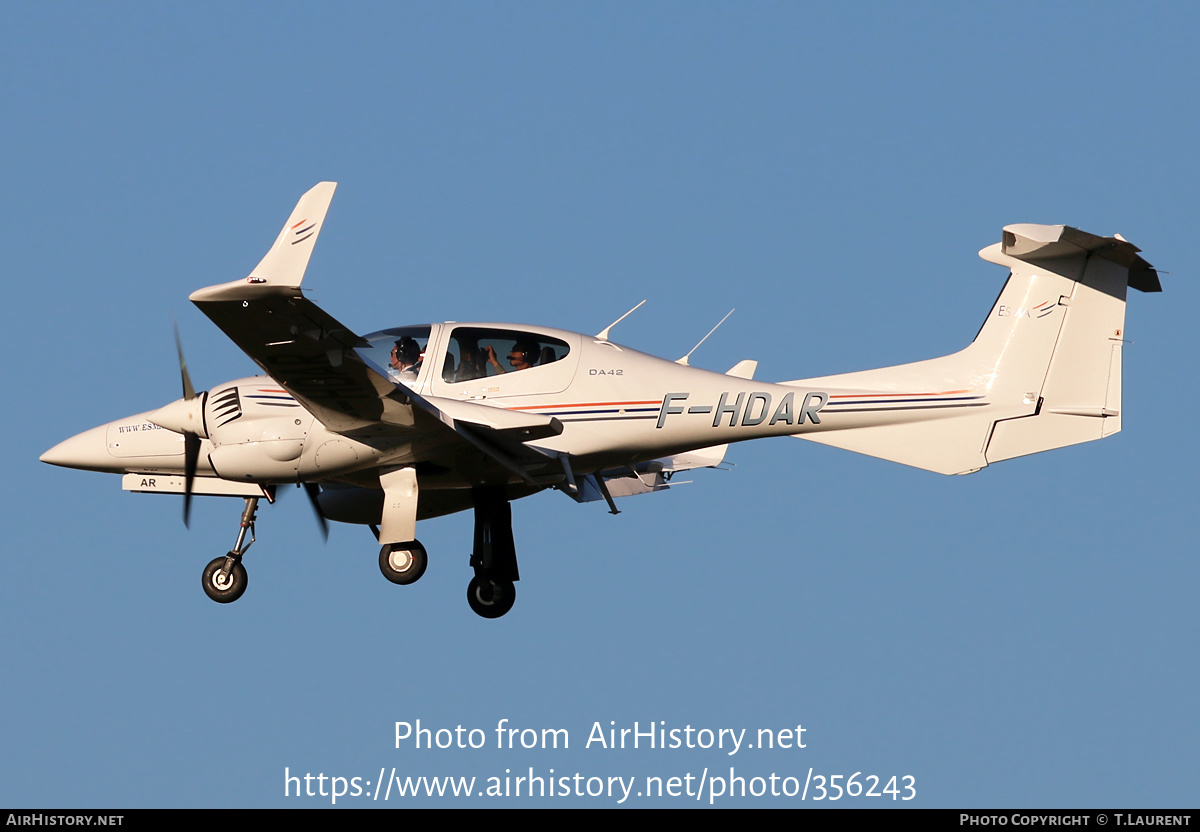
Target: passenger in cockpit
(522, 356)
(471, 365)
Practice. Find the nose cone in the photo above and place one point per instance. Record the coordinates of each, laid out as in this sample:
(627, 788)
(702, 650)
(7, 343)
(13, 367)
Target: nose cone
(87, 450)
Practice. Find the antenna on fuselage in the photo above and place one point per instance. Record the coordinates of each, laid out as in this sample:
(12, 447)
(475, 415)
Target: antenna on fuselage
(684, 360)
(603, 334)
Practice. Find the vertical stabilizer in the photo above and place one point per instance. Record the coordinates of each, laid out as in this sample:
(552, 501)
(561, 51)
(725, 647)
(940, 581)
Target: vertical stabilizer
(1080, 398)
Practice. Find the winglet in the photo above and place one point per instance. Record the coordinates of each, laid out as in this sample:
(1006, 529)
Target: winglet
(284, 265)
(287, 260)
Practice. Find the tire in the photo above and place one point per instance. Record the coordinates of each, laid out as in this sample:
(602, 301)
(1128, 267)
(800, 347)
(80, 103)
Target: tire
(403, 563)
(230, 591)
(490, 598)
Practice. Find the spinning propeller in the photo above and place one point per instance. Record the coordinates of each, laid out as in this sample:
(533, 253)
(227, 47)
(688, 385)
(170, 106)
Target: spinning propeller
(191, 440)
(185, 416)
(313, 491)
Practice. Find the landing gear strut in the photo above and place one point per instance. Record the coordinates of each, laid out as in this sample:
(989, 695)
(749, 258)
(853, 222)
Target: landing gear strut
(491, 592)
(225, 578)
(402, 560)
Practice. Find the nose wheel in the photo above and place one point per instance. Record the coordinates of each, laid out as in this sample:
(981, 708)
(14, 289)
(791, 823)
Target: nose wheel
(403, 563)
(225, 579)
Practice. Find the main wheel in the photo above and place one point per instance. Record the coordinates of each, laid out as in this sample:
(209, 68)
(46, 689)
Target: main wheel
(229, 589)
(490, 598)
(403, 563)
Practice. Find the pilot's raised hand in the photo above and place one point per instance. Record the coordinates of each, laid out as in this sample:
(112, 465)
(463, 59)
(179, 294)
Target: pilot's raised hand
(491, 359)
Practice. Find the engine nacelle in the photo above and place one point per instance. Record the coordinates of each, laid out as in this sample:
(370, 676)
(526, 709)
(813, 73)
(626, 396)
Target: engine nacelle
(259, 433)
(257, 430)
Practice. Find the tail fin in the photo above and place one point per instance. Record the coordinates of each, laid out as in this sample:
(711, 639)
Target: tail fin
(1043, 372)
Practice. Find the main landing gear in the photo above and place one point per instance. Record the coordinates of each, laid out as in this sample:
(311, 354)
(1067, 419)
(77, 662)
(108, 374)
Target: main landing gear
(225, 578)
(403, 563)
(491, 598)
(492, 592)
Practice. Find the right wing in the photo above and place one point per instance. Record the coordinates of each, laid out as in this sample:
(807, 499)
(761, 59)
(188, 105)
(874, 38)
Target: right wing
(312, 356)
(309, 353)
(299, 345)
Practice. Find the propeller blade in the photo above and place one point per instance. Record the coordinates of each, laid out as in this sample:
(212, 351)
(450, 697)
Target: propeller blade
(191, 441)
(191, 456)
(189, 392)
(313, 491)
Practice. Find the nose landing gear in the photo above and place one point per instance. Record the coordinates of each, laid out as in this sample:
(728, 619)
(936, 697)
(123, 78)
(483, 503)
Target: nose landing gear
(225, 578)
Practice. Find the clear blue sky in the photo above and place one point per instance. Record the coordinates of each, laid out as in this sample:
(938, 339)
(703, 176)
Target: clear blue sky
(1021, 637)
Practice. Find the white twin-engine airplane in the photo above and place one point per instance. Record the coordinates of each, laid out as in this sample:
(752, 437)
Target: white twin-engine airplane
(419, 421)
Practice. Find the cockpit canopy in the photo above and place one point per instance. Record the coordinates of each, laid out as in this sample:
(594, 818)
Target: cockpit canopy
(458, 357)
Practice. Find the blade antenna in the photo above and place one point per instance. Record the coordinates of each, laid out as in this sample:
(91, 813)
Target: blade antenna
(603, 334)
(684, 360)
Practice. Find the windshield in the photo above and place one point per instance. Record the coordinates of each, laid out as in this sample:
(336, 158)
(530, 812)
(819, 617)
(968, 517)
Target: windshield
(397, 353)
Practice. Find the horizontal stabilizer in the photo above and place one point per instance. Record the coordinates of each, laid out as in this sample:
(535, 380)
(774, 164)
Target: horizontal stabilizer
(1029, 242)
